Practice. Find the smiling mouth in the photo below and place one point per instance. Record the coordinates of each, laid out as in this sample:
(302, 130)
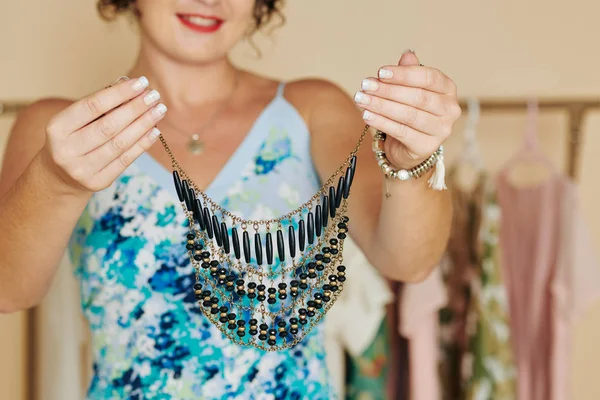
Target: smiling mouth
(200, 23)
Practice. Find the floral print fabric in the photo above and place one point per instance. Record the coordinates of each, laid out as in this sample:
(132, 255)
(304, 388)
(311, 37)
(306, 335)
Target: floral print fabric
(149, 337)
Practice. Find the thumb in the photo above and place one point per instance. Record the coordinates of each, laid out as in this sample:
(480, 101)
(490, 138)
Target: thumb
(409, 58)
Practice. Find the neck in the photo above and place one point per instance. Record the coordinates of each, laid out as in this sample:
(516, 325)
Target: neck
(185, 86)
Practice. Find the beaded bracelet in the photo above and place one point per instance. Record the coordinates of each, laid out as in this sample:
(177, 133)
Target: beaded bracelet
(436, 160)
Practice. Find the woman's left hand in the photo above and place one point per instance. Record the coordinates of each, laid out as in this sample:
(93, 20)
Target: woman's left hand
(416, 106)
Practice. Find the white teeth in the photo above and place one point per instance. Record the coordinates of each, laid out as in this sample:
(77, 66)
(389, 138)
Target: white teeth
(200, 21)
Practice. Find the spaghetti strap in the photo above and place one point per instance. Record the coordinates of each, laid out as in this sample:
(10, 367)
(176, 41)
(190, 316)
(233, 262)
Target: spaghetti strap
(280, 89)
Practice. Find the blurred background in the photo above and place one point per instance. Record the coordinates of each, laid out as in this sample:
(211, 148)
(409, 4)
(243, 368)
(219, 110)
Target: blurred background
(506, 50)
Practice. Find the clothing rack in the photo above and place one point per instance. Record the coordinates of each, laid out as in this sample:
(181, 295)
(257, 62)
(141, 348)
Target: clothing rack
(576, 108)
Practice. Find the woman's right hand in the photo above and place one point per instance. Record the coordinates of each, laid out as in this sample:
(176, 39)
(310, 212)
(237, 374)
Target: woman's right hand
(91, 142)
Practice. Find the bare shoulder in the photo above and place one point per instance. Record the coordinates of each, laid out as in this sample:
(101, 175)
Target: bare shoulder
(315, 96)
(27, 137)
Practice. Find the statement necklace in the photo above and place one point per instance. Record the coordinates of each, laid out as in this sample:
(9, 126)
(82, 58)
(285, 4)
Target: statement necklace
(267, 283)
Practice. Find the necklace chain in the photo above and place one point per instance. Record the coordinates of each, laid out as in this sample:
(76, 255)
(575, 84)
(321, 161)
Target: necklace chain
(237, 219)
(196, 134)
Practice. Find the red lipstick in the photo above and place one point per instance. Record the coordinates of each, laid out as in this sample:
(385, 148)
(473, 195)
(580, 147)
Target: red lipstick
(187, 20)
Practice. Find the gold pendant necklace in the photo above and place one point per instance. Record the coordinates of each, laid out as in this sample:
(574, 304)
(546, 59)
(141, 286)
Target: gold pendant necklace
(195, 145)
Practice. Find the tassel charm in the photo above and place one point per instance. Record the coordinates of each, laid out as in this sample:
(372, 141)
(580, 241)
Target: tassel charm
(438, 179)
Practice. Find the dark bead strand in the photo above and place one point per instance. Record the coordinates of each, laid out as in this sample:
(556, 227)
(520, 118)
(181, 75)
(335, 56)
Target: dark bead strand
(214, 308)
(240, 287)
(235, 240)
(301, 234)
(222, 275)
(177, 181)
(294, 288)
(192, 197)
(282, 331)
(186, 195)
(269, 245)
(232, 325)
(261, 293)
(331, 202)
(258, 248)
(272, 338)
(310, 310)
(241, 324)
(251, 290)
(293, 325)
(282, 294)
(223, 316)
(253, 327)
(217, 230)
(318, 301)
(207, 222)
(339, 192)
(225, 238)
(318, 220)
(280, 246)
(310, 229)
(312, 270)
(341, 275)
(302, 312)
(263, 331)
(230, 279)
(246, 241)
(348, 182)
(271, 299)
(303, 284)
(325, 218)
(292, 241)
(198, 214)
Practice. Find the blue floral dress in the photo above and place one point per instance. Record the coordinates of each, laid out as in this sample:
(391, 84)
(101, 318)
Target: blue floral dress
(149, 337)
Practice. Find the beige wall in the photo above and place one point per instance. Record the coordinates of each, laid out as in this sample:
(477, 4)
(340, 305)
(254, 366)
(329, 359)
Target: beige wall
(491, 49)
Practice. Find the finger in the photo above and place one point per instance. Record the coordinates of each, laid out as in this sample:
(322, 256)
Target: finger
(88, 109)
(431, 102)
(417, 76)
(116, 167)
(417, 119)
(409, 58)
(415, 141)
(108, 126)
(121, 143)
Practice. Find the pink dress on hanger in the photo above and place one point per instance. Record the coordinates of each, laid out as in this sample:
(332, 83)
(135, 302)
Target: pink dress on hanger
(552, 279)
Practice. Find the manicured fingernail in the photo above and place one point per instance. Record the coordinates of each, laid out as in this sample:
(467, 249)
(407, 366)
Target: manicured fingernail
(151, 97)
(408, 51)
(154, 133)
(140, 83)
(367, 115)
(385, 73)
(369, 84)
(362, 98)
(159, 110)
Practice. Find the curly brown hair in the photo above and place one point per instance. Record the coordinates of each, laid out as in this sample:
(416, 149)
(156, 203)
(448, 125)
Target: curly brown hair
(264, 10)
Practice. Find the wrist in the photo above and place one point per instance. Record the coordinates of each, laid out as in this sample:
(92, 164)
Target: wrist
(434, 162)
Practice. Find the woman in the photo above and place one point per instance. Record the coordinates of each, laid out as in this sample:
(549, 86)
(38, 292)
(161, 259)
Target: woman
(89, 175)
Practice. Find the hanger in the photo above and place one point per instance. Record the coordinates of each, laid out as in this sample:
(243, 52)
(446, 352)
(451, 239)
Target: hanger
(531, 151)
(471, 154)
